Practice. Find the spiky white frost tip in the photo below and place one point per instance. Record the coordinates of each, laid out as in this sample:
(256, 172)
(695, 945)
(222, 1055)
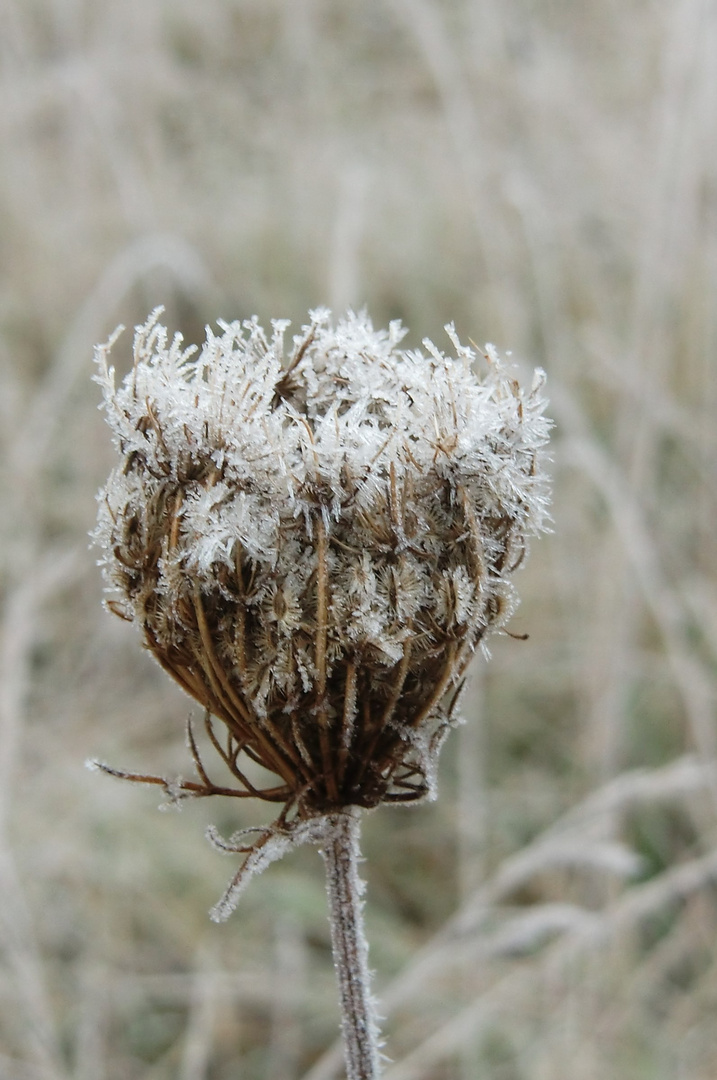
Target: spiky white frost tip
(313, 544)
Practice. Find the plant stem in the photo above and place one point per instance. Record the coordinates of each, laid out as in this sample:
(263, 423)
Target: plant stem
(345, 889)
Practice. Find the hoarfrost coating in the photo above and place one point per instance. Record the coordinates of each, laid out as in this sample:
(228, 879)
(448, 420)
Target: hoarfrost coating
(313, 539)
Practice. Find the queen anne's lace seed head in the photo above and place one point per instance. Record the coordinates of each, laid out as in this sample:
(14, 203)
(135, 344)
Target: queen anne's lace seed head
(313, 544)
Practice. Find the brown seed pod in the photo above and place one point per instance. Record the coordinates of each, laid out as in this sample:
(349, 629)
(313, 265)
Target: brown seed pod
(313, 547)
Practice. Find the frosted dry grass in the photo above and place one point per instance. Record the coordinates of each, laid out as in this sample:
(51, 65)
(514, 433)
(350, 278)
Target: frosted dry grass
(546, 178)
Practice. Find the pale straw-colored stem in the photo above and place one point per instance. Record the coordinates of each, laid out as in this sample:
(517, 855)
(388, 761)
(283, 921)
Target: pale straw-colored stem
(345, 889)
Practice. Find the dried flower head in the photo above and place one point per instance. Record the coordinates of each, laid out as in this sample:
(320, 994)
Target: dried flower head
(313, 545)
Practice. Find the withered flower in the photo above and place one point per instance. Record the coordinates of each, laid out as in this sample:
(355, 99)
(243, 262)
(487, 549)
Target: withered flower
(313, 545)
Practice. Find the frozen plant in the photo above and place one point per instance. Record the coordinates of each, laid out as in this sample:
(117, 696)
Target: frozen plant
(312, 543)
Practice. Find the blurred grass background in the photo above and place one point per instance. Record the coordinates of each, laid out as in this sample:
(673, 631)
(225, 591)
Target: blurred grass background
(544, 174)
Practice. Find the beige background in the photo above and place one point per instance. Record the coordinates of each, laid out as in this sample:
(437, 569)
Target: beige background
(543, 173)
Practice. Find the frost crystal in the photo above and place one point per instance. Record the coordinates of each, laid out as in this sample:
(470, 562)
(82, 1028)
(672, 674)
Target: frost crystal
(313, 544)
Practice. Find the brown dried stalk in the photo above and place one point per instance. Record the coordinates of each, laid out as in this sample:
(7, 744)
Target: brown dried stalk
(313, 549)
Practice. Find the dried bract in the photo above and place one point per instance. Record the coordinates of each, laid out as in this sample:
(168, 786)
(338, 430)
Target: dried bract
(313, 544)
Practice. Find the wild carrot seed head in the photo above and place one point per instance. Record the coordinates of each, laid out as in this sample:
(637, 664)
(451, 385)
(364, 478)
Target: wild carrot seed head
(313, 541)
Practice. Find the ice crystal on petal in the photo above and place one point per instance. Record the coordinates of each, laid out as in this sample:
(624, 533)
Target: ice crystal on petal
(313, 539)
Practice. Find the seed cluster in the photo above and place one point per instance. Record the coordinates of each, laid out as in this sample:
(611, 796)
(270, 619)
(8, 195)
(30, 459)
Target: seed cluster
(313, 544)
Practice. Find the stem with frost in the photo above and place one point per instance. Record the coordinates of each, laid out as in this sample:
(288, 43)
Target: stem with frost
(358, 1018)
